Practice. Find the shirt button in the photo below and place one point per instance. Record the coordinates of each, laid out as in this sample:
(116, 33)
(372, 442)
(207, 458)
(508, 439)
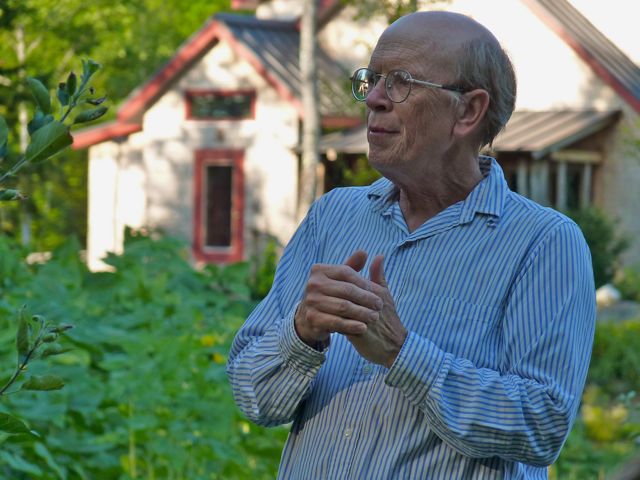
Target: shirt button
(348, 431)
(366, 369)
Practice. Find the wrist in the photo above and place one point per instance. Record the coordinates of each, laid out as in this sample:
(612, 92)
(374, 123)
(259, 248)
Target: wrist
(398, 347)
(304, 334)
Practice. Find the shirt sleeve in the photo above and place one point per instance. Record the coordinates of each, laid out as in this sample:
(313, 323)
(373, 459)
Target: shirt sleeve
(270, 369)
(525, 411)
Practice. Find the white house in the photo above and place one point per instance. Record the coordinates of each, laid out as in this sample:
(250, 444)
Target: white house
(207, 149)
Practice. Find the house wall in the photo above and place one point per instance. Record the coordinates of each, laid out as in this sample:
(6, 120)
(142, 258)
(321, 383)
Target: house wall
(116, 196)
(148, 180)
(616, 186)
(350, 40)
(551, 76)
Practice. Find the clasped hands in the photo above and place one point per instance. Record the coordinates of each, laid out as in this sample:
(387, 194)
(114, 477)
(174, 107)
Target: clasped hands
(338, 299)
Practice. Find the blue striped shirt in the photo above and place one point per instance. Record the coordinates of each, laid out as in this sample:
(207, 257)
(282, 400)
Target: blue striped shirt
(498, 297)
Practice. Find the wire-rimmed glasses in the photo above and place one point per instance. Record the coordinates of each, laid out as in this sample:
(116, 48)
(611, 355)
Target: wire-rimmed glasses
(397, 84)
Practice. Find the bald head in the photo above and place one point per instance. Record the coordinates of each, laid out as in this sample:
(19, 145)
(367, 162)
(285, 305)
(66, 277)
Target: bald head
(437, 37)
(442, 28)
(456, 49)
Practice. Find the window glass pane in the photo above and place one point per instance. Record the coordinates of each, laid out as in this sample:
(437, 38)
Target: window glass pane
(574, 179)
(218, 206)
(213, 105)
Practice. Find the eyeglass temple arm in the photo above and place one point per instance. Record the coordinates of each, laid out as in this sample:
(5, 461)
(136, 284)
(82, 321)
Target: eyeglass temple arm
(437, 85)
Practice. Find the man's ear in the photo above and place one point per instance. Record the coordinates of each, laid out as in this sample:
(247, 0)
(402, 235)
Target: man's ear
(470, 112)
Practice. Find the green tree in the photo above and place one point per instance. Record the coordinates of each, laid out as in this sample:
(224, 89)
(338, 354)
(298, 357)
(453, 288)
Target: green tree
(130, 39)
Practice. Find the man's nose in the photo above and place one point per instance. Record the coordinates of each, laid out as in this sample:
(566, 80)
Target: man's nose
(378, 98)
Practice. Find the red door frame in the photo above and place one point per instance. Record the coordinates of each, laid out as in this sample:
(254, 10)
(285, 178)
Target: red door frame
(221, 157)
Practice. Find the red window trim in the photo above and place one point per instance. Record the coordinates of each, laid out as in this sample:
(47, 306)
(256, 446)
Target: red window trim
(223, 93)
(244, 4)
(235, 252)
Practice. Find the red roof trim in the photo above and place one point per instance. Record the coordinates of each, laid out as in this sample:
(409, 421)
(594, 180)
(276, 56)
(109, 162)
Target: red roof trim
(92, 136)
(596, 66)
(130, 112)
(203, 40)
(244, 4)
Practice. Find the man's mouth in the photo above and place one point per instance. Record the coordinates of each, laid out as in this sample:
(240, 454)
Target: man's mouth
(381, 130)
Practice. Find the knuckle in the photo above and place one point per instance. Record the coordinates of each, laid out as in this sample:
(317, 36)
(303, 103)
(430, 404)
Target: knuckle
(343, 307)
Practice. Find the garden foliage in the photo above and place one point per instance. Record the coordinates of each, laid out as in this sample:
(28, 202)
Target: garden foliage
(146, 393)
(605, 241)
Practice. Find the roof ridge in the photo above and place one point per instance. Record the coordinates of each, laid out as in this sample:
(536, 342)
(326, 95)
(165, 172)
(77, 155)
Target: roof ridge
(604, 57)
(253, 21)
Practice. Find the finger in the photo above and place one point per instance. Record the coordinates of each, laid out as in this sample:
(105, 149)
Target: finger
(352, 293)
(357, 260)
(332, 323)
(342, 273)
(376, 271)
(345, 309)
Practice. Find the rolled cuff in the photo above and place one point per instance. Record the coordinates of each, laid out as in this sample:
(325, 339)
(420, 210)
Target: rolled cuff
(416, 368)
(297, 354)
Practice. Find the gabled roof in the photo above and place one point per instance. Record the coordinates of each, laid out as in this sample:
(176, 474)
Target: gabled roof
(542, 133)
(275, 45)
(535, 133)
(603, 56)
(270, 46)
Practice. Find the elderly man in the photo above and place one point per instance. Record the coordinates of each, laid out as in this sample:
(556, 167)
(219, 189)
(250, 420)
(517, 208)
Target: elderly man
(464, 356)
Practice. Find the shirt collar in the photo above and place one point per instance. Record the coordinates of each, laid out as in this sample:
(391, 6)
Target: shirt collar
(487, 197)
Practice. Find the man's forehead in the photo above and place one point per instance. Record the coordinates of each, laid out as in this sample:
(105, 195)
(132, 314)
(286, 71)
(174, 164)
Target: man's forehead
(445, 31)
(405, 53)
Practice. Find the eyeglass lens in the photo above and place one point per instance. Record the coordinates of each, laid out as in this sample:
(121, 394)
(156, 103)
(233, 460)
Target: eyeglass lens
(397, 84)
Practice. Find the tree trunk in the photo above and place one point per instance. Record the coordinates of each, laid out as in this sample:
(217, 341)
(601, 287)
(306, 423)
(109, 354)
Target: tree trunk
(310, 105)
(25, 215)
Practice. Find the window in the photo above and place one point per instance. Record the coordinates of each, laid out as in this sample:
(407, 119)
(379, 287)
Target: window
(218, 206)
(220, 105)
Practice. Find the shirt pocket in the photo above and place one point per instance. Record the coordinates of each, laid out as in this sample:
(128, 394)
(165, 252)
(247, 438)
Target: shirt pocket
(458, 327)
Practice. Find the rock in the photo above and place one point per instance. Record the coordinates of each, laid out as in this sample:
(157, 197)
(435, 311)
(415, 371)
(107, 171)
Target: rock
(607, 295)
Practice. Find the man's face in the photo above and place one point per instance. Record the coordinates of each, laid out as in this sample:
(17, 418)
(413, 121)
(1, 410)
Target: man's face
(402, 134)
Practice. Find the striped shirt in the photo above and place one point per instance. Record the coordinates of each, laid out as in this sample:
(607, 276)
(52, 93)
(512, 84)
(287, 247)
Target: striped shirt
(498, 297)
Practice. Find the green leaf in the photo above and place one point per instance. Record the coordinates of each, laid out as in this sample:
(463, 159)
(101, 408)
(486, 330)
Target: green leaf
(45, 454)
(96, 101)
(47, 141)
(39, 120)
(16, 462)
(89, 67)
(23, 342)
(44, 382)
(90, 115)
(72, 83)
(10, 194)
(55, 349)
(12, 425)
(40, 93)
(61, 93)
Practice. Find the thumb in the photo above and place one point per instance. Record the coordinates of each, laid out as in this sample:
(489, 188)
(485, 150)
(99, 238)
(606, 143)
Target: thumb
(376, 271)
(357, 260)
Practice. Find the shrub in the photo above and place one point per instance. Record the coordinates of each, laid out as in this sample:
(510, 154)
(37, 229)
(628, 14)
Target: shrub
(628, 283)
(605, 242)
(147, 394)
